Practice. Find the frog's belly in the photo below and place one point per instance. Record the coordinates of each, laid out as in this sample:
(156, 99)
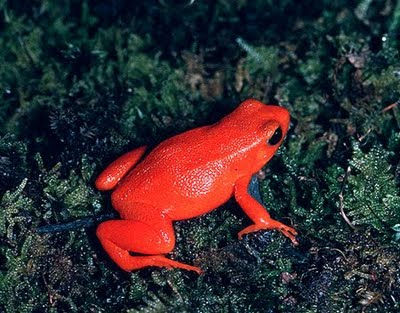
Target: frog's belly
(181, 204)
(186, 196)
(185, 208)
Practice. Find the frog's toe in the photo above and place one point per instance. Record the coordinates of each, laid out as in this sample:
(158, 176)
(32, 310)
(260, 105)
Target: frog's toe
(285, 230)
(290, 233)
(162, 261)
(249, 229)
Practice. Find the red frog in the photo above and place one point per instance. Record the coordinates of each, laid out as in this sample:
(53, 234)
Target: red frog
(186, 176)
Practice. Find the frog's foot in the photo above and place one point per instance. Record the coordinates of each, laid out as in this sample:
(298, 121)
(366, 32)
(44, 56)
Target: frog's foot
(118, 237)
(162, 261)
(129, 263)
(284, 229)
(256, 211)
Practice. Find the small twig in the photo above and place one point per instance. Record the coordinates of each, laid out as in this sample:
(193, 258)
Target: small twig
(391, 106)
(341, 199)
(78, 224)
(338, 250)
(365, 135)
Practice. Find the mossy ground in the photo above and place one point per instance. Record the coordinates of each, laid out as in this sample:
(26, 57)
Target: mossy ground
(81, 82)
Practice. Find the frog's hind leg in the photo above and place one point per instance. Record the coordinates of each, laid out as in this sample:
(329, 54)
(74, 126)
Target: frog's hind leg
(114, 172)
(118, 237)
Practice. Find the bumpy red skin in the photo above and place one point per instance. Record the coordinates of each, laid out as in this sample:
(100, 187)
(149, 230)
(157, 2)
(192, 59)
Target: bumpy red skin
(186, 176)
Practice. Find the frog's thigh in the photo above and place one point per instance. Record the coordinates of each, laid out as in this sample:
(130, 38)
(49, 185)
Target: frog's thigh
(153, 237)
(118, 237)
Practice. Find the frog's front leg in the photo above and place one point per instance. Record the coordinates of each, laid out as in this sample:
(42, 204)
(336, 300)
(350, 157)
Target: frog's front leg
(148, 233)
(257, 213)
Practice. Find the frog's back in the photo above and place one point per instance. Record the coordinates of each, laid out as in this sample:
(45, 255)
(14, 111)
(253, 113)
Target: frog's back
(192, 169)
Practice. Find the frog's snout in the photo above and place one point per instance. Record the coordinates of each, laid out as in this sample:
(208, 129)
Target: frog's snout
(281, 116)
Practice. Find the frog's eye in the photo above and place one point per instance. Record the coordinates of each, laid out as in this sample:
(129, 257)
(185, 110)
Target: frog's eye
(276, 137)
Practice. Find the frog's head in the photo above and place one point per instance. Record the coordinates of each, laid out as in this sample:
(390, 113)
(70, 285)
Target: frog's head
(268, 123)
(273, 120)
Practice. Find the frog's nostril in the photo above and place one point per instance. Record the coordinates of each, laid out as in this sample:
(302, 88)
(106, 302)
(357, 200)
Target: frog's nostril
(276, 137)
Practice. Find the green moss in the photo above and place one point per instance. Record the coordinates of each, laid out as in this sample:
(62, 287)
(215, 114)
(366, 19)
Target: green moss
(373, 196)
